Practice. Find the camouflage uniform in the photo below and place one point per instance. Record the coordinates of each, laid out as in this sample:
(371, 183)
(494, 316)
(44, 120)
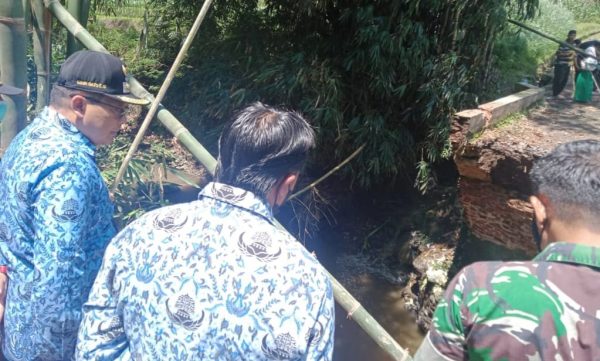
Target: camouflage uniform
(545, 309)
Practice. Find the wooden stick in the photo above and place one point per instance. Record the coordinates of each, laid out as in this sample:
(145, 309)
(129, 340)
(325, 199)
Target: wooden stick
(326, 175)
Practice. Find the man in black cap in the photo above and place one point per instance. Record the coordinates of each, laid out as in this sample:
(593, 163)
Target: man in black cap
(56, 218)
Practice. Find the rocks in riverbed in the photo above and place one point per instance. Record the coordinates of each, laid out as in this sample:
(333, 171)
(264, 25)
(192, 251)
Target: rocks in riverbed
(427, 282)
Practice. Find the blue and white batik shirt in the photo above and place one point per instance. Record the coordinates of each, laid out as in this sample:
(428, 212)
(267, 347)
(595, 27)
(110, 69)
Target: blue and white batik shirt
(212, 279)
(55, 222)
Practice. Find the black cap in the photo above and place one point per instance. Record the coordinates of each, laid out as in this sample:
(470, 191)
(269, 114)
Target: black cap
(10, 90)
(97, 72)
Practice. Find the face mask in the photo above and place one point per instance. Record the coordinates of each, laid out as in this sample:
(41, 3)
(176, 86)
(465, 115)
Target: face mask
(3, 109)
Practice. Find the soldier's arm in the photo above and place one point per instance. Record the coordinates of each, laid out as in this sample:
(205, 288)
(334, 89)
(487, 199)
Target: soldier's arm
(61, 220)
(446, 338)
(101, 334)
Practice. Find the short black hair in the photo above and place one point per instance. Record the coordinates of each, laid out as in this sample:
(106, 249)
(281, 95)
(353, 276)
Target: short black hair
(572, 32)
(261, 146)
(569, 177)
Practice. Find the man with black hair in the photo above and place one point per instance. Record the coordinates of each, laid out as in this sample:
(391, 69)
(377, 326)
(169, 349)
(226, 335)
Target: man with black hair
(215, 279)
(545, 309)
(563, 63)
(56, 215)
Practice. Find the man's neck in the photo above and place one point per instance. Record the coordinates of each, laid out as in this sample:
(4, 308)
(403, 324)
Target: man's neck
(72, 118)
(582, 236)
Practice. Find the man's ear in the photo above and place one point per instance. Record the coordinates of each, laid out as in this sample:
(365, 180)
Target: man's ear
(285, 188)
(78, 105)
(540, 211)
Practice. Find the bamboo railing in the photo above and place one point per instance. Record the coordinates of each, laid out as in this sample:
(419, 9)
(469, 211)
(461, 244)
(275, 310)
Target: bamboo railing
(342, 296)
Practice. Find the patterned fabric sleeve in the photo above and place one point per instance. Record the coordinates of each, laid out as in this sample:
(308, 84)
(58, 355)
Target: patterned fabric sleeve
(446, 339)
(3, 260)
(321, 346)
(61, 220)
(101, 334)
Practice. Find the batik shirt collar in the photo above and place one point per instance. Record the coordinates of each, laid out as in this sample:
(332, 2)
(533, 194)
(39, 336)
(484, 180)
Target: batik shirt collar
(239, 198)
(58, 121)
(571, 253)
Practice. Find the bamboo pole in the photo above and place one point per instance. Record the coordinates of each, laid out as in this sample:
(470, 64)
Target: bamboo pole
(563, 43)
(13, 70)
(342, 296)
(84, 13)
(26, 15)
(74, 7)
(41, 21)
(161, 93)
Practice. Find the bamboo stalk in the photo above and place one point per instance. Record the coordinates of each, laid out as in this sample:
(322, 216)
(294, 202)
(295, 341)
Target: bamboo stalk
(13, 70)
(27, 14)
(563, 43)
(161, 93)
(84, 12)
(74, 7)
(342, 296)
(41, 51)
(326, 175)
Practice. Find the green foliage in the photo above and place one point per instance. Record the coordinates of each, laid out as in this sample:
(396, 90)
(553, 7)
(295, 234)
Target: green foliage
(583, 10)
(121, 36)
(388, 73)
(122, 8)
(519, 53)
(514, 62)
(554, 19)
(138, 192)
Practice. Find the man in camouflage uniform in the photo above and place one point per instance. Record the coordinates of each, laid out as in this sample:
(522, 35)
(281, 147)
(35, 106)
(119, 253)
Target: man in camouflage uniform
(545, 309)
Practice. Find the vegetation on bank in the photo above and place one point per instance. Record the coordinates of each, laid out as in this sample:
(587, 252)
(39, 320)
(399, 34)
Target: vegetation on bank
(389, 74)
